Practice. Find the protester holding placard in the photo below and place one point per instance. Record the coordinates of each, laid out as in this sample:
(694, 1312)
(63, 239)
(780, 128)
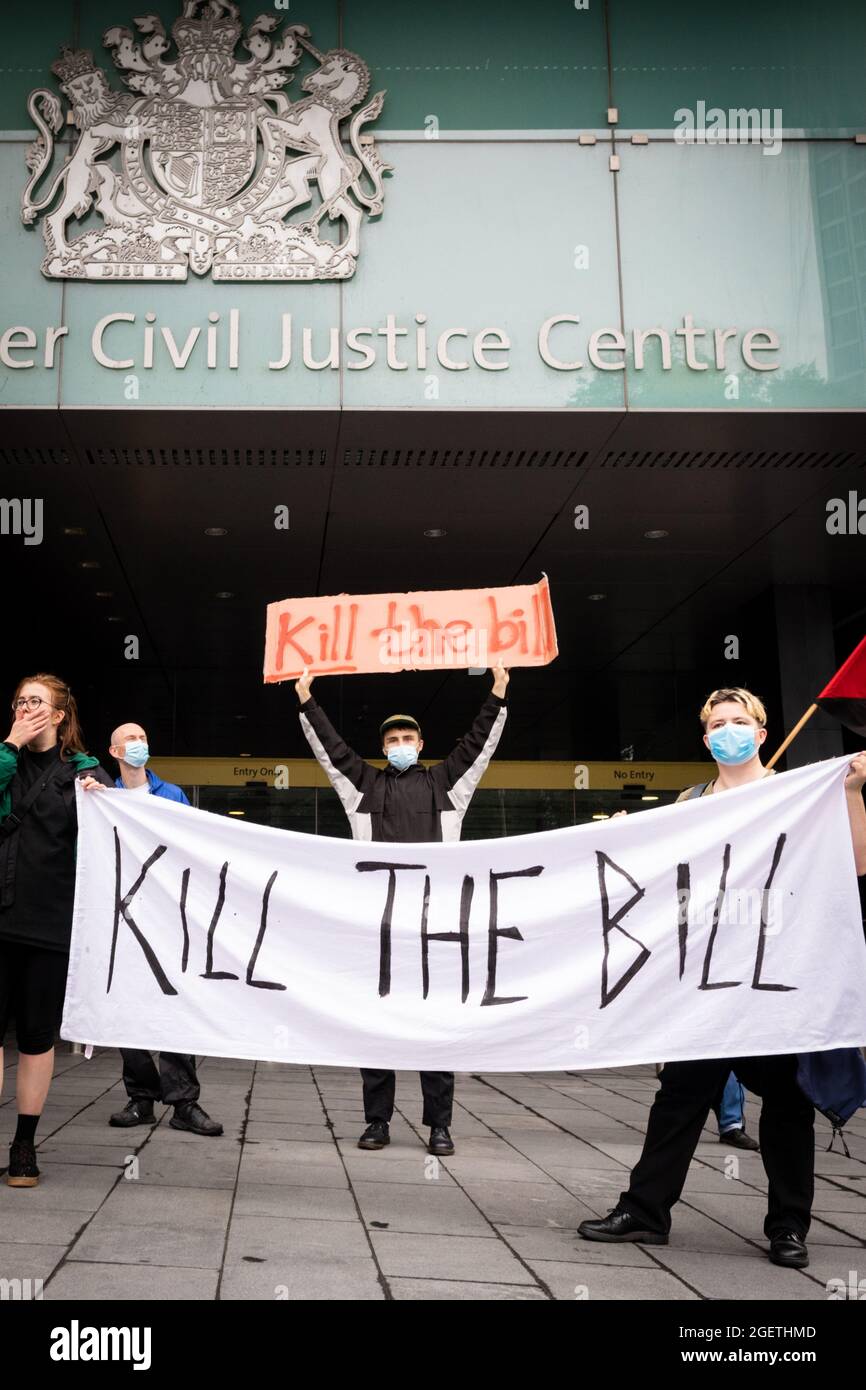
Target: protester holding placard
(734, 723)
(405, 802)
(39, 762)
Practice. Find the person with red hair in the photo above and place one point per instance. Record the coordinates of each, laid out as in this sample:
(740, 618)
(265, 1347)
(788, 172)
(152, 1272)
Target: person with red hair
(40, 760)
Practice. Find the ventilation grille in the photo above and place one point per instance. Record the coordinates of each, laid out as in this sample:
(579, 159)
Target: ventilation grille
(35, 458)
(463, 458)
(207, 458)
(764, 458)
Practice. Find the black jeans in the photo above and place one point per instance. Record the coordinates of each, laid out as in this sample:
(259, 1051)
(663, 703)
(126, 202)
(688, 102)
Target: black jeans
(679, 1113)
(175, 1083)
(437, 1088)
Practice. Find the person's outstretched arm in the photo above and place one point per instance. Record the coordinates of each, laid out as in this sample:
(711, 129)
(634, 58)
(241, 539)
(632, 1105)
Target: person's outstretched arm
(348, 774)
(463, 769)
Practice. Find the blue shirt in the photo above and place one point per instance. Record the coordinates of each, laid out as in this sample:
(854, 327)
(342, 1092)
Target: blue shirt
(160, 788)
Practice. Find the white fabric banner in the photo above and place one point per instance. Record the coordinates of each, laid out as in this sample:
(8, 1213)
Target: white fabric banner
(721, 927)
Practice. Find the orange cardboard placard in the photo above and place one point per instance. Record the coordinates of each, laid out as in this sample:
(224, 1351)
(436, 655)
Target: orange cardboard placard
(347, 634)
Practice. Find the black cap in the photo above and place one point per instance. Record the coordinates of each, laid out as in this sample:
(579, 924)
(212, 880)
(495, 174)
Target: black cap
(399, 721)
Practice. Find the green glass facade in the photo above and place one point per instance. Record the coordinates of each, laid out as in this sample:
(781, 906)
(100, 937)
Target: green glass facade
(497, 217)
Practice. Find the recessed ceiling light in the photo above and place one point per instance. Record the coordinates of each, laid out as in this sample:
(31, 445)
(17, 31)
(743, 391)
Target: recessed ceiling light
(104, 593)
(74, 531)
(596, 598)
(215, 531)
(113, 618)
(240, 716)
(655, 535)
(649, 798)
(435, 532)
(237, 813)
(245, 755)
(88, 564)
(224, 593)
(601, 815)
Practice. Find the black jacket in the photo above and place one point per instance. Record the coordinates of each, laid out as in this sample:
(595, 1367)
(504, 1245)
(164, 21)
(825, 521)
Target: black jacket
(37, 861)
(422, 803)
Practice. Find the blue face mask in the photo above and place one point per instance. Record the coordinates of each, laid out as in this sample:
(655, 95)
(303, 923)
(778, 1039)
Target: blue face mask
(137, 753)
(733, 744)
(402, 757)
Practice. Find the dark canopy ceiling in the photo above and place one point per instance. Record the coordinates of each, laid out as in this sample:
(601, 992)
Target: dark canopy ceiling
(743, 498)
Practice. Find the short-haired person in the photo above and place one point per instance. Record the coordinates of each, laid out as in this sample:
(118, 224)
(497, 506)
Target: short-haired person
(734, 722)
(176, 1082)
(40, 760)
(405, 802)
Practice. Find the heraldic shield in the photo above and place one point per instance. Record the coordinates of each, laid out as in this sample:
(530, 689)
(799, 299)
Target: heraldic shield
(200, 164)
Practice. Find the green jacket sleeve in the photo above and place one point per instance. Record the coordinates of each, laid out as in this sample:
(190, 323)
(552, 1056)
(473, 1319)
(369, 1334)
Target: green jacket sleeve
(8, 764)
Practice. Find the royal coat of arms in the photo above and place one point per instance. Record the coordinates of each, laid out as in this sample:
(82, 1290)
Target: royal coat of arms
(213, 156)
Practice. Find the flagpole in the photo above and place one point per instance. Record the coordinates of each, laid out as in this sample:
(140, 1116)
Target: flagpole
(792, 735)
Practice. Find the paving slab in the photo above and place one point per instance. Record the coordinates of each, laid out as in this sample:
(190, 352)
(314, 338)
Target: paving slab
(70, 1187)
(141, 1225)
(27, 1261)
(457, 1257)
(80, 1281)
(750, 1274)
(606, 1283)
(346, 1279)
(273, 1200)
(457, 1291)
(431, 1209)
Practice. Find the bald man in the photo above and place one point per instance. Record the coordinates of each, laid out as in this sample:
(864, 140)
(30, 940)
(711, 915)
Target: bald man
(176, 1082)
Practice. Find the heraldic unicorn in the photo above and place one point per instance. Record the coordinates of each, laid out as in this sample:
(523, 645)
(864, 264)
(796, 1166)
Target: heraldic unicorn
(213, 156)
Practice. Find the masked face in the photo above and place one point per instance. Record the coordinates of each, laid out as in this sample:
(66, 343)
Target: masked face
(136, 753)
(402, 757)
(732, 744)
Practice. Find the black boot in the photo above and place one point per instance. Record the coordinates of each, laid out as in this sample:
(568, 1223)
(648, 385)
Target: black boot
(190, 1116)
(375, 1136)
(135, 1112)
(440, 1141)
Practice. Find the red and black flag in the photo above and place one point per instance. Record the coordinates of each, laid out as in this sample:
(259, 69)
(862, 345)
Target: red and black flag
(845, 695)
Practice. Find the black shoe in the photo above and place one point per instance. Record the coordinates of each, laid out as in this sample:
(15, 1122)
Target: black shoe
(135, 1112)
(22, 1170)
(375, 1136)
(190, 1116)
(440, 1141)
(739, 1139)
(789, 1250)
(620, 1225)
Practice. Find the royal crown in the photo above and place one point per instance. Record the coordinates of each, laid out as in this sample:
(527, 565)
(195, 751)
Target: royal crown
(218, 36)
(73, 63)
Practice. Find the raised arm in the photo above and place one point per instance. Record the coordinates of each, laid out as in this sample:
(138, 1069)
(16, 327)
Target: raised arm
(348, 774)
(854, 783)
(463, 769)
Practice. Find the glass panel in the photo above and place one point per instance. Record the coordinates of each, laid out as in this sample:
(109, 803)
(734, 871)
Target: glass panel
(483, 67)
(798, 268)
(805, 59)
(481, 256)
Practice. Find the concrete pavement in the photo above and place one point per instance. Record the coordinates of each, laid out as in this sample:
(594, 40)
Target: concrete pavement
(284, 1206)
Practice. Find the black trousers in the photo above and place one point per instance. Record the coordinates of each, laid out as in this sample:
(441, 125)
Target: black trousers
(437, 1088)
(175, 1083)
(679, 1113)
(32, 987)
